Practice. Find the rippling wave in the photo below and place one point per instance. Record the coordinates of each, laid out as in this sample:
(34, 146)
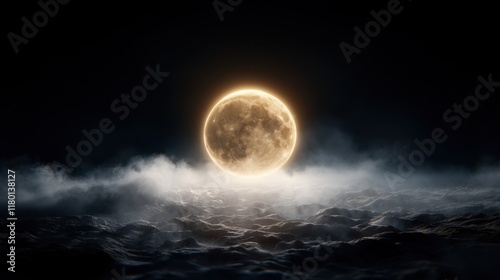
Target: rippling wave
(229, 236)
(159, 220)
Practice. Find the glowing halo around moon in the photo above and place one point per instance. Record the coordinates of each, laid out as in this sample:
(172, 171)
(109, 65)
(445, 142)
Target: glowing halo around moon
(250, 133)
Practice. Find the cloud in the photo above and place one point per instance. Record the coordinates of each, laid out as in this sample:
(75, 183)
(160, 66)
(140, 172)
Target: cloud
(145, 187)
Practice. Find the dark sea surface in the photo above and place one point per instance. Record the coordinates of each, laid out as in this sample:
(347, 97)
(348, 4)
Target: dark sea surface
(287, 231)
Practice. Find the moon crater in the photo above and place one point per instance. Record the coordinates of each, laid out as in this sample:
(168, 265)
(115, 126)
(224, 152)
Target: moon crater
(250, 133)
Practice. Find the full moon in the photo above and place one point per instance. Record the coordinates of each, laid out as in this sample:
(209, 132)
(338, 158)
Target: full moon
(250, 133)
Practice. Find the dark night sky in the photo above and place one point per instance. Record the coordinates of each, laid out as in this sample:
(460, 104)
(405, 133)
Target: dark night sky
(395, 90)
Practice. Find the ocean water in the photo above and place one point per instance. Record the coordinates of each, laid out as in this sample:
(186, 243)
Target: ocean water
(133, 223)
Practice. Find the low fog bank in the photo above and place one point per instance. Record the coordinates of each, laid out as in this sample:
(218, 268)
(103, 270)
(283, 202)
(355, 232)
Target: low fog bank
(145, 186)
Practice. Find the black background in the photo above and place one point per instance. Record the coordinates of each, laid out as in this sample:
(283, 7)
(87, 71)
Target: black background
(394, 91)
